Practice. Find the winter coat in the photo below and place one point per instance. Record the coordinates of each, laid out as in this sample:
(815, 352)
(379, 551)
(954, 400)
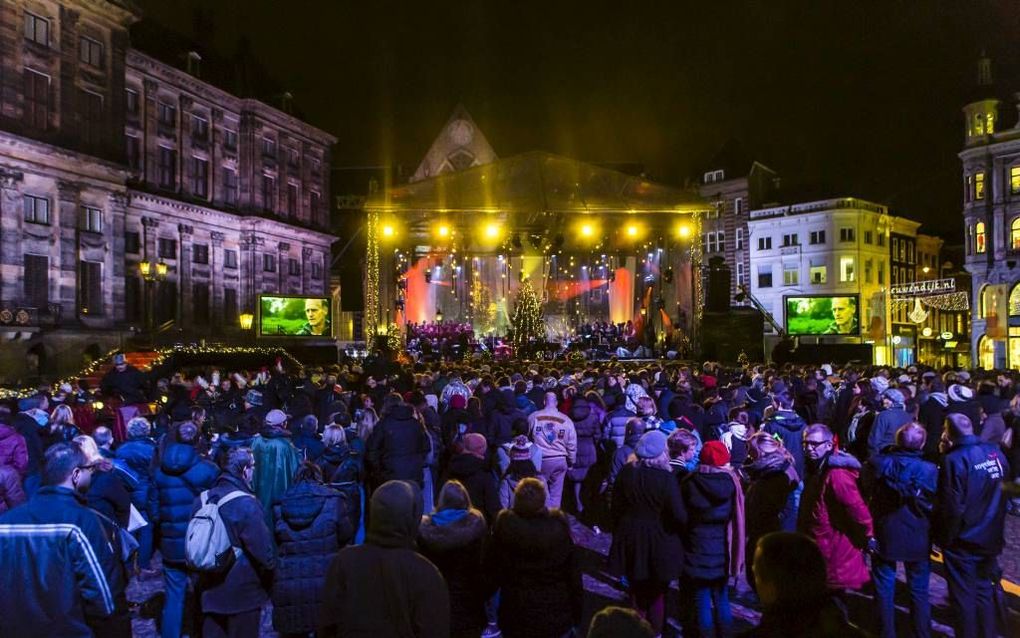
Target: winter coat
(833, 514)
(130, 384)
(709, 501)
(452, 540)
(13, 452)
(771, 501)
(244, 586)
(790, 427)
(621, 456)
(516, 471)
(182, 475)
(970, 504)
(54, 577)
(932, 414)
(587, 420)
(228, 442)
(901, 502)
(398, 447)
(969, 408)
(11, 493)
(309, 447)
(501, 425)
(883, 430)
(108, 496)
(479, 481)
(993, 429)
(312, 523)
(533, 561)
(339, 463)
(648, 514)
(616, 425)
(137, 455)
(30, 430)
(276, 462)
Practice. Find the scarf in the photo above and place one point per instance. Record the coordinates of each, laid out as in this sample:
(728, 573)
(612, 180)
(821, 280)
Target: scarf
(736, 534)
(446, 517)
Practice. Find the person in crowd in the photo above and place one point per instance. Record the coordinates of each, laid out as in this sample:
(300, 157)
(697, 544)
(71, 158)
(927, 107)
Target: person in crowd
(182, 475)
(57, 530)
(62, 428)
(11, 492)
(385, 587)
(648, 514)
(713, 537)
(238, 433)
(137, 453)
(684, 448)
(736, 434)
(276, 462)
(588, 416)
(398, 447)
(521, 465)
(471, 469)
(532, 560)
(789, 426)
(452, 537)
(124, 381)
(970, 523)
(30, 423)
(621, 456)
(993, 425)
(962, 401)
(307, 441)
(13, 451)
(901, 502)
(107, 493)
(773, 491)
(790, 576)
(103, 437)
(619, 622)
(888, 421)
(553, 432)
(832, 510)
(231, 600)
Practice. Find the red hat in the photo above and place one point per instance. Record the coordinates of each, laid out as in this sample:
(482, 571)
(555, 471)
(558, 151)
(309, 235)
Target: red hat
(458, 402)
(715, 453)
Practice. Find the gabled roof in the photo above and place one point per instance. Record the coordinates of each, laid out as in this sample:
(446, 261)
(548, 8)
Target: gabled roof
(459, 145)
(537, 182)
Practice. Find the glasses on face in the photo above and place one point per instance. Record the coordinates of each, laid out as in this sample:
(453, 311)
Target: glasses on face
(813, 444)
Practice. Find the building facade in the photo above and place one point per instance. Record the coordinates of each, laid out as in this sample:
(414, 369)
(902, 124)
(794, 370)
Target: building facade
(111, 159)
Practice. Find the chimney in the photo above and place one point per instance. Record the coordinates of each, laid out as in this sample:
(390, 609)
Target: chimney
(194, 64)
(286, 103)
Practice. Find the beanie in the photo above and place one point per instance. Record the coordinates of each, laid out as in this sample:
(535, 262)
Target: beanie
(474, 444)
(715, 453)
(458, 402)
(651, 445)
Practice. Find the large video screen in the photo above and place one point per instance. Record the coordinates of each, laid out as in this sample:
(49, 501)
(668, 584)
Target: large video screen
(294, 316)
(823, 315)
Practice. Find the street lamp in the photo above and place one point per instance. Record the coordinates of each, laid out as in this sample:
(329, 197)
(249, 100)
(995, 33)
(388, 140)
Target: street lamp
(247, 320)
(151, 272)
(439, 316)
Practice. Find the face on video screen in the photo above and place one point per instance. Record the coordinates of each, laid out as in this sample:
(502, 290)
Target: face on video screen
(822, 315)
(295, 317)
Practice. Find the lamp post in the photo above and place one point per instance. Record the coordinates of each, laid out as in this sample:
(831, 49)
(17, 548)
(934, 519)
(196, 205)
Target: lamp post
(247, 321)
(151, 272)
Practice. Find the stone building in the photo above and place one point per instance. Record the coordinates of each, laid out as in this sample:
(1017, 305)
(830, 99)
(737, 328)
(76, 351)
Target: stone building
(111, 159)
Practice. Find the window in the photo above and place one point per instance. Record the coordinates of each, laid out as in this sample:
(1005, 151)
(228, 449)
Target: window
(738, 206)
(881, 273)
(313, 205)
(720, 240)
(1014, 234)
(847, 269)
(37, 100)
(229, 306)
(91, 219)
(167, 168)
(867, 271)
(847, 234)
(90, 288)
(230, 258)
(910, 253)
(714, 176)
(316, 166)
(131, 99)
(37, 209)
(979, 238)
(230, 139)
(867, 237)
(881, 239)
(819, 274)
(979, 185)
(199, 177)
(764, 276)
(295, 267)
(90, 51)
(132, 243)
(817, 237)
(268, 192)
(269, 263)
(167, 248)
(739, 242)
(200, 254)
(133, 152)
(292, 199)
(167, 115)
(36, 284)
(268, 147)
(317, 269)
(968, 187)
(199, 129)
(230, 187)
(791, 240)
(37, 29)
(791, 275)
(740, 274)
(200, 303)
(1014, 179)
(292, 157)
(90, 114)
(764, 243)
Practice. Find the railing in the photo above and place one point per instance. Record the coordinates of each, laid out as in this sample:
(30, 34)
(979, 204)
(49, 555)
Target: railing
(25, 315)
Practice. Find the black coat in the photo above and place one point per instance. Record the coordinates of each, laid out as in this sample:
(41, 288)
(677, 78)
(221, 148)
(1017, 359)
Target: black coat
(790, 427)
(109, 497)
(311, 524)
(28, 428)
(130, 385)
(901, 503)
(709, 499)
(533, 561)
(137, 455)
(456, 549)
(932, 415)
(648, 515)
(769, 505)
(970, 504)
(397, 448)
(182, 475)
(479, 481)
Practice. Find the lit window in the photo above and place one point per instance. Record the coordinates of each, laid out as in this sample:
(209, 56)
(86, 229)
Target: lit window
(819, 274)
(979, 185)
(1014, 234)
(1014, 179)
(847, 269)
(979, 238)
(791, 275)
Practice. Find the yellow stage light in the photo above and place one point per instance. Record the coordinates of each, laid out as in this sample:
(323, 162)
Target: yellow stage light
(443, 231)
(388, 230)
(587, 230)
(492, 230)
(683, 230)
(632, 230)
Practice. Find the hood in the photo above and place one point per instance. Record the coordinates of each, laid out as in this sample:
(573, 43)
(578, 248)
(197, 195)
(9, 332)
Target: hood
(710, 486)
(939, 397)
(178, 458)
(767, 465)
(303, 502)
(893, 465)
(6, 431)
(580, 410)
(788, 420)
(737, 429)
(465, 465)
(843, 461)
(336, 454)
(402, 412)
(394, 515)
(459, 533)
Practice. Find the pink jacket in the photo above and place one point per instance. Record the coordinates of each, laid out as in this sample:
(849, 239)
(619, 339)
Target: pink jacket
(13, 452)
(11, 493)
(833, 513)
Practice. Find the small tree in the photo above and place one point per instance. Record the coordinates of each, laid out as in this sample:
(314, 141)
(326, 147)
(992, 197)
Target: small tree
(527, 324)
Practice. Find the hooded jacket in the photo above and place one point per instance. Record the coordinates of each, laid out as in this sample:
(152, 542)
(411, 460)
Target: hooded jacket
(790, 427)
(276, 462)
(11, 493)
(587, 420)
(384, 588)
(971, 507)
(13, 452)
(901, 502)
(834, 515)
(479, 481)
(883, 430)
(137, 455)
(452, 540)
(771, 502)
(398, 447)
(182, 476)
(709, 498)
(648, 514)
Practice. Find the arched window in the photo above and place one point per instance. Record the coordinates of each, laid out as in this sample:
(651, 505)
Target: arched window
(979, 238)
(983, 295)
(986, 353)
(1014, 302)
(1014, 234)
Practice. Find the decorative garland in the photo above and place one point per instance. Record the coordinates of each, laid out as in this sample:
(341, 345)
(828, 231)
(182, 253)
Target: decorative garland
(371, 277)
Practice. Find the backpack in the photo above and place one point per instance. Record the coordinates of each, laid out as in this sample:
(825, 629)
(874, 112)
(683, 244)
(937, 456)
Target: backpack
(207, 546)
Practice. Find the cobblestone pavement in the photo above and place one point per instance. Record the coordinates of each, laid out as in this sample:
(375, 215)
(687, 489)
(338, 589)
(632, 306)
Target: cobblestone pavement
(602, 589)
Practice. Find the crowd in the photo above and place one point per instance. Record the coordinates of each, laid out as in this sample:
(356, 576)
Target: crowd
(439, 339)
(432, 500)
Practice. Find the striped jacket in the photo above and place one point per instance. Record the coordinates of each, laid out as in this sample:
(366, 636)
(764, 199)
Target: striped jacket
(56, 557)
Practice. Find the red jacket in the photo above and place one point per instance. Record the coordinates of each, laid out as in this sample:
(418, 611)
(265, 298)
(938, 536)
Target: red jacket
(833, 513)
(13, 452)
(11, 494)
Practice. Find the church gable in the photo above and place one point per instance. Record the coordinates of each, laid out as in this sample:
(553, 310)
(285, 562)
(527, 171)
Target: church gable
(460, 145)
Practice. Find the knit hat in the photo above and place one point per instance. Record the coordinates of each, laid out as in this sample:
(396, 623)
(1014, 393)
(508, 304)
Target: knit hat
(651, 445)
(715, 453)
(520, 450)
(960, 393)
(119, 359)
(474, 444)
(894, 395)
(963, 375)
(254, 397)
(276, 418)
(458, 402)
(880, 384)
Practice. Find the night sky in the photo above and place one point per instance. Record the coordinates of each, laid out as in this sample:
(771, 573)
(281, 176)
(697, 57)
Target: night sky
(857, 99)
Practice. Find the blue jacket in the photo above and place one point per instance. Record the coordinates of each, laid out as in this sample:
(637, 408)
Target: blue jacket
(883, 430)
(901, 503)
(56, 557)
(181, 477)
(970, 505)
(137, 455)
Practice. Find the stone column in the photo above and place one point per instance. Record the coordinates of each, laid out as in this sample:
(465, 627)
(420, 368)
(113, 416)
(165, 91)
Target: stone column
(150, 141)
(307, 284)
(11, 221)
(115, 260)
(184, 303)
(69, 196)
(216, 286)
(283, 268)
(215, 172)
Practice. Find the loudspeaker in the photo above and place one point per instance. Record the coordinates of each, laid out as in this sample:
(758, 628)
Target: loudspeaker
(724, 335)
(352, 292)
(717, 297)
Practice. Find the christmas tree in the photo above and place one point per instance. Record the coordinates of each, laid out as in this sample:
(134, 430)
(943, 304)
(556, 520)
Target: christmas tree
(527, 323)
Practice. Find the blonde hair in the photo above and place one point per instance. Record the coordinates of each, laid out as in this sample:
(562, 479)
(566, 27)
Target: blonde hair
(62, 414)
(88, 447)
(367, 423)
(333, 435)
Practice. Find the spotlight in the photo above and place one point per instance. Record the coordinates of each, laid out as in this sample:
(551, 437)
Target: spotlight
(443, 231)
(388, 230)
(492, 230)
(683, 231)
